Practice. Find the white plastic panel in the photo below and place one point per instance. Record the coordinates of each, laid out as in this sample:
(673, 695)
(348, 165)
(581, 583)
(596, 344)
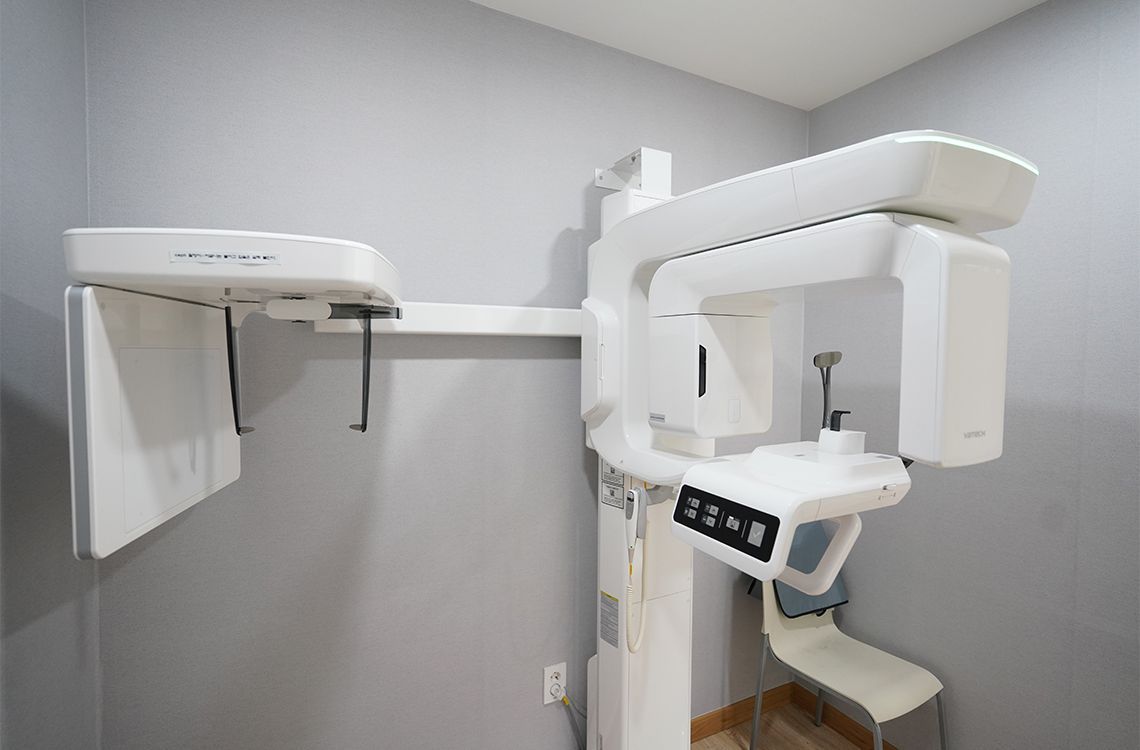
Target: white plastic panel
(152, 428)
(643, 698)
(446, 319)
(955, 333)
(219, 266)
(661, 675)
(963, 181)
(966, 182)
(660, 672)
(710, 375)
(593, 350)
(779, 487)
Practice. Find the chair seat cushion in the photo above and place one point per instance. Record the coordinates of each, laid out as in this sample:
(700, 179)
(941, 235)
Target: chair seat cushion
(885, 685)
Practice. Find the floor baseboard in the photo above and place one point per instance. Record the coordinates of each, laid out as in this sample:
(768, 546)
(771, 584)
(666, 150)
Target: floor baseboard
(721, 719)
(740, 712)
(852, 730)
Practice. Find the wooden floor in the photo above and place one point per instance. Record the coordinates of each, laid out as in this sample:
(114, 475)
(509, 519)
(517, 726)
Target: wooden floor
(787, 728)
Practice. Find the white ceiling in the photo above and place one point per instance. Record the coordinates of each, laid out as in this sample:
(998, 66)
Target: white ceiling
(800, 52)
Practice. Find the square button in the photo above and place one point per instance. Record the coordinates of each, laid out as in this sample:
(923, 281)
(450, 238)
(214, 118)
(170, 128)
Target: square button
(691, 512)
(709, 521)
(733, 523)
(694, 502)
(756, 533)
(713, 510)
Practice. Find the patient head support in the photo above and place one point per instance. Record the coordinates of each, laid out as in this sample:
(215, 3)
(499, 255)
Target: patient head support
(825, 361)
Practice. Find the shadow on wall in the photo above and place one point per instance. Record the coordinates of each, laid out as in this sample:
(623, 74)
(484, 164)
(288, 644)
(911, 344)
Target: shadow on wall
(39, 571)
(746, 622)
(284, 642)
(576, 243)
(300, 614)
(304, 621)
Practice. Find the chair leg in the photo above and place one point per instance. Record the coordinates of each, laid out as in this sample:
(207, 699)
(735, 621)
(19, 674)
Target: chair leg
(819, 707)
(878, 732)
(754, 742)
(943, 735)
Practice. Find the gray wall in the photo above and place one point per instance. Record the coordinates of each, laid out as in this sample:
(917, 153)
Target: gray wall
(404, 588)
(1017, 581)
(48, 690)
(322, 601)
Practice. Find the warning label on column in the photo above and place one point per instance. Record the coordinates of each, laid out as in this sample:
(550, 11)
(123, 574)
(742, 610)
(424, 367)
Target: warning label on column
(608, 618)
(612, 491)
(612, 495)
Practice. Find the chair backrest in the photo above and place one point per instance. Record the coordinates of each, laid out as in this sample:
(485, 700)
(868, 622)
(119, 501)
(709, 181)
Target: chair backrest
(780, 629)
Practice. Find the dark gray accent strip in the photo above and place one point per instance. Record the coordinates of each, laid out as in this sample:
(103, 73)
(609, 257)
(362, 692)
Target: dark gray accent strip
(702, 365)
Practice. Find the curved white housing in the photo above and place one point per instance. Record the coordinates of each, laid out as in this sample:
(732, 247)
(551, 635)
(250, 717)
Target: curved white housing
(970, 184)
(778, 488)
(955, 322)
(231, 268)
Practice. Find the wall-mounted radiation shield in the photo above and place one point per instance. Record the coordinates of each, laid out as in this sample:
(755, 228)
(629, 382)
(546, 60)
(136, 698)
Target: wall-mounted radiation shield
(152, 430)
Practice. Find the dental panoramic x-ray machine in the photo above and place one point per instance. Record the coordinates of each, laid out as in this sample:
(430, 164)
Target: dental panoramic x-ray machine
(676, 352)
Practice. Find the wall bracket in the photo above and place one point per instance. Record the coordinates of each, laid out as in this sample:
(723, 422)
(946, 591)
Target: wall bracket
(646, 169)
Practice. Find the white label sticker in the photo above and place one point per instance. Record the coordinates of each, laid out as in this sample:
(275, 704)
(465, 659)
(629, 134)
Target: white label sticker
(612, 489)
(219, 256)
(608, 618)
(612, 495)
(611, 475)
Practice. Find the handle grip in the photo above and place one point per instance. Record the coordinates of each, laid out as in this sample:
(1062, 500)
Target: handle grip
(819, 580)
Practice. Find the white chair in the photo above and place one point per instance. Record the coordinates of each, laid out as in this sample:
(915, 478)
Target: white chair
(812, 648)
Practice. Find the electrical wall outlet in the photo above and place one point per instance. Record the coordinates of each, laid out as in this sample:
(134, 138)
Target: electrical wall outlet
(553, 683)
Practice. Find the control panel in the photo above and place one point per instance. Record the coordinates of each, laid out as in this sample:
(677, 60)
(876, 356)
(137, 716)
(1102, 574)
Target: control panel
(751, 531)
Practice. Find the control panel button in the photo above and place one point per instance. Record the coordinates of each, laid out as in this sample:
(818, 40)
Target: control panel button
(727, 524)
(756, 533)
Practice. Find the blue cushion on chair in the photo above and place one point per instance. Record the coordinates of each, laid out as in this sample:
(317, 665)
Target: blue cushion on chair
(808, 546)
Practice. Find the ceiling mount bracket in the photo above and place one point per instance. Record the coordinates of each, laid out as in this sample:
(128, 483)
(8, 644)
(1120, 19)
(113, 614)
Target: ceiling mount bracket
(646, 170)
